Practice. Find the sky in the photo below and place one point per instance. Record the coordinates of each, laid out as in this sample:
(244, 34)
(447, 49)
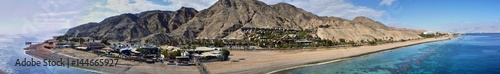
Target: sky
(56, 16)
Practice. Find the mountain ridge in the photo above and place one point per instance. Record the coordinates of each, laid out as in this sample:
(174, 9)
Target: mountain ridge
(225, 19)
(479, 29)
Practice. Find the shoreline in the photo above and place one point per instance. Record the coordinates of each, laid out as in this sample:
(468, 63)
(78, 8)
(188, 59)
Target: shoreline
(254, 61)
(38, 52)
(124, 66)
(273, 61)
(346, 58)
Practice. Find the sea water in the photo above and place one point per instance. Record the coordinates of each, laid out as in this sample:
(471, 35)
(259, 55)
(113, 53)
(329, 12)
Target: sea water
(466, 54)
(11, 49)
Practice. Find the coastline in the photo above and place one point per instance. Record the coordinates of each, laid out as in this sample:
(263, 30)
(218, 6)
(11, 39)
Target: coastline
(344, 58)
(274, 61)
(254, 61)
(39, 52)
(124, 66)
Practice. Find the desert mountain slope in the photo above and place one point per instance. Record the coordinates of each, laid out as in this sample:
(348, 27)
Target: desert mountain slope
(226, 18)
(135, 26)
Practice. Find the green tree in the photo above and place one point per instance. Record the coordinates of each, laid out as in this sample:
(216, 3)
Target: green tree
(81, 40)
(105, 41)
(225, 54)
(142, 50)
(75, 39)
(72, 45)
(193, 47)
(330, 43)
(62, 38)
(427, 35)
(166, 53)
(342, 40)
(351, 42)
(402, 40)
(302, 35)
(219, 43)
(175, 53)
(372, 42)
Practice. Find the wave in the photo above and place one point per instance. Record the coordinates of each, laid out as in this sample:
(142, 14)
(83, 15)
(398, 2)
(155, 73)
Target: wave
(5, 59)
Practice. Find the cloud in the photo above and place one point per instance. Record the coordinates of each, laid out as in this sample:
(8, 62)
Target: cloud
(41, 16)
(196, 4)
(338, 8)
(60, 13)
(98, 11)
(387, 2)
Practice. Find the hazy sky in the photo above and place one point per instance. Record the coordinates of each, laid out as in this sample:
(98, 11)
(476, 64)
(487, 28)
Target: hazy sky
(49, 16)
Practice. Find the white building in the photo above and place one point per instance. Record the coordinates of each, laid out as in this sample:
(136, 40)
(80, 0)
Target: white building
(429, 32)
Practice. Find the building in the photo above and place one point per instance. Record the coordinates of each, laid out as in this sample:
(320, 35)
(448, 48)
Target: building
(429, 33)
(303, 42)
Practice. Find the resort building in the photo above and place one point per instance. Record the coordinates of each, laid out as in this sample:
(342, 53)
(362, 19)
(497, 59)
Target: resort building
(429, 33)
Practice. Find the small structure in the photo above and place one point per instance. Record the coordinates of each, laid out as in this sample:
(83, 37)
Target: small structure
(303, 42)
(62, 44)
(200, 50)
(126, 51)
(210, 55)
(182, 60)
(151, 54)
(206, 52)
(94, 45)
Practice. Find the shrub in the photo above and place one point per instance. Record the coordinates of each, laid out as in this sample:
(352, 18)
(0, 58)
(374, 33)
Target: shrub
(342, 40)
(351, 42)
(372, 42)
(362, 41)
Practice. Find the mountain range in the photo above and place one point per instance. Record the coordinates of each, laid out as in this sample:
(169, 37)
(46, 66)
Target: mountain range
(479, 29)
(225, 18)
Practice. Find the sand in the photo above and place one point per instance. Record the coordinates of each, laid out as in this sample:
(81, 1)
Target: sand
(266, 61)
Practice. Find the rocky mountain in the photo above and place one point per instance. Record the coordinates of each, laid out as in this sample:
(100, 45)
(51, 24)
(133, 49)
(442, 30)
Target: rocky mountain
(135, 26)
(225, 19)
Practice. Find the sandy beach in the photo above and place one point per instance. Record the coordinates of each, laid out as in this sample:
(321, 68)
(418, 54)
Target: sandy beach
(256, 61)
(267, 61)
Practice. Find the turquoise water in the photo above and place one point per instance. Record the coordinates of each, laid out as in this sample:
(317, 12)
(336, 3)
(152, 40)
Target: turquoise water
(11, 49)
(467, 54)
